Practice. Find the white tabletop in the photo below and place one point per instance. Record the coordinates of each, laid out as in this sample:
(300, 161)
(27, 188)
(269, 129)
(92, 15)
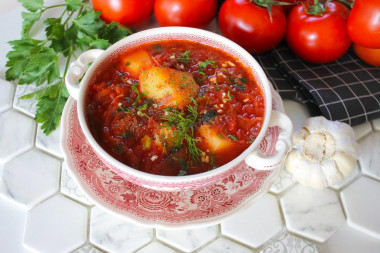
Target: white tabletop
(42, 209)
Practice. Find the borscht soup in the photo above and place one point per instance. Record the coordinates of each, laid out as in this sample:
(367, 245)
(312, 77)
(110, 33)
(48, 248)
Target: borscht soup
(174, 107)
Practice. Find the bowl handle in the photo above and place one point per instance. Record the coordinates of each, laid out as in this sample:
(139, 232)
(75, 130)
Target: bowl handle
(78, 68)
(260, 161)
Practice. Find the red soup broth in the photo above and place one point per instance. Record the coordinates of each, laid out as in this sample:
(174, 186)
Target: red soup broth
(174, 107)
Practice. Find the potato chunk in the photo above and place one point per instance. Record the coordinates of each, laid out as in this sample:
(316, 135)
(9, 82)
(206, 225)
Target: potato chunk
(163, 136)
(136, 62)
(168, 87)
(213, 141)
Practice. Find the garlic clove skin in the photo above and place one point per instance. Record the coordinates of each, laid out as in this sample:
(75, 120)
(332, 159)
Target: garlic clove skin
(324, 152)
(331, 172)
(345, 163)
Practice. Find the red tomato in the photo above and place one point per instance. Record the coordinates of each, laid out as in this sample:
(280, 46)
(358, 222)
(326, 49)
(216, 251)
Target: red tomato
(126, 12)
(368, 55)
(319, 39)
(191, 13)
(363, 25)
(249, 25)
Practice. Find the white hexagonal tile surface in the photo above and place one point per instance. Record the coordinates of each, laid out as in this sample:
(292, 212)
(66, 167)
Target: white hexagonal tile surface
(70, 187)
(30, 178)
(188, 240)
(49, 143)
(114, 234)
(6, 95)
(290, 244)
(263, 214)
(56, 225)
(12, 220)
(283, 182)
(156, 247)
(362, 130)
(370, 155)
(349, 240)
(224, 245)
(87, 249)
(16, 134)
(27, 106)
(361, 202)
(297, 113)
(314, 214)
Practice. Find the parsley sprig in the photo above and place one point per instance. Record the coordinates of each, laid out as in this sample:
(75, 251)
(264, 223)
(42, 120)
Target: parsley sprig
(35, 60)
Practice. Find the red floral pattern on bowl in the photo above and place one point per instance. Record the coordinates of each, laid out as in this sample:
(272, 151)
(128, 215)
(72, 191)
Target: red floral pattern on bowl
(203, 205)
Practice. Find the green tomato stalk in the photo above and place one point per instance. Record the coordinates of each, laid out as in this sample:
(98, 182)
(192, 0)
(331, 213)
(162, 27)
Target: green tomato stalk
(268, 5)
(318, 7)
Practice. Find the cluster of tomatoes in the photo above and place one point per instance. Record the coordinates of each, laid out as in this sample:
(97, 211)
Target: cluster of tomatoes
(318, 31)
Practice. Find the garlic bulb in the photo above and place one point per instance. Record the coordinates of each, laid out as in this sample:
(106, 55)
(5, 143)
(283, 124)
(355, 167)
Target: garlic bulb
(324, 152)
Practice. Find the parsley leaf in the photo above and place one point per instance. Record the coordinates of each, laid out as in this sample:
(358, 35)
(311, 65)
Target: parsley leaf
(36, 61)
(18, 59)
(50, 91)
(40, 67)
(49, 110)
(28, 21)
(33, 5)
(73, 5)
(87, 22)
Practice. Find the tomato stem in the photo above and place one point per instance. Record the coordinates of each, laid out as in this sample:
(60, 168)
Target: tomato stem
(317, 8)
(349, 4)
(268, 5)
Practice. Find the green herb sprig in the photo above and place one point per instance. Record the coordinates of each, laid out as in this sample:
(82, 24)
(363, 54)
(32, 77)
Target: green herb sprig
(204, 64)
(184, 129)
(185, 57)
(35, 61)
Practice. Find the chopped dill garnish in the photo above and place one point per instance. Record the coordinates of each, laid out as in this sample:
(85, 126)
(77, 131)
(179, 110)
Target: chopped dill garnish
(221, 136)
(209, 115)
(184, 129)
(203, 65)
(241, 87)
(185, 57)
(182, 173)
(194, 101)
(229, 97)
(122, 108)
(157, 47)
(217, 86)
(233, 137)
(139, 95)
(244, 80)
(184, 167)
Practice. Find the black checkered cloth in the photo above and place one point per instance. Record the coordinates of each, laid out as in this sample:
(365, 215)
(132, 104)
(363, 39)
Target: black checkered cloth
(347, 90)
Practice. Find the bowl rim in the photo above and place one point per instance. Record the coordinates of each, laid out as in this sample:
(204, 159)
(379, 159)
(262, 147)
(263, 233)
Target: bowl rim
(261, 79)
